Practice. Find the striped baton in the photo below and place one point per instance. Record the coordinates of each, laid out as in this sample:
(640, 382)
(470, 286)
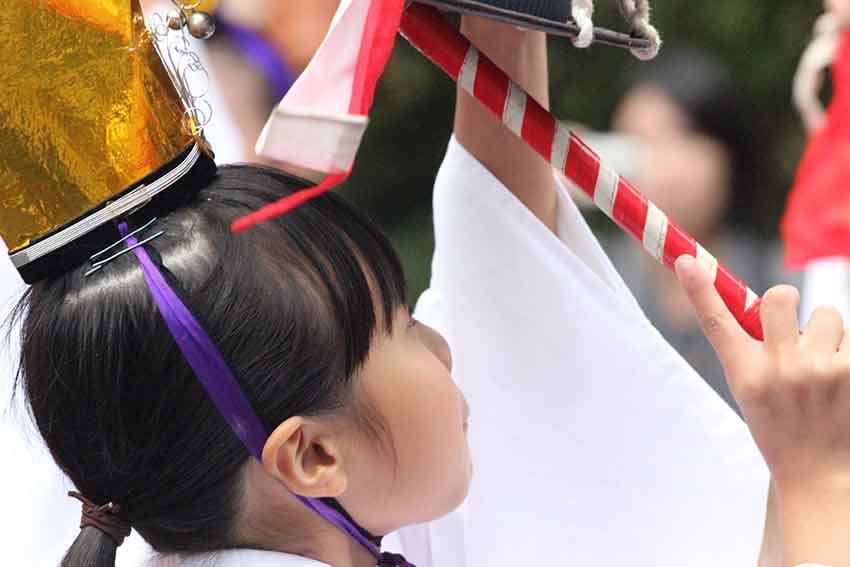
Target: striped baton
(439, 41)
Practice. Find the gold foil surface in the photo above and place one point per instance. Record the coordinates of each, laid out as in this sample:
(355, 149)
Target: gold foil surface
(86, 109)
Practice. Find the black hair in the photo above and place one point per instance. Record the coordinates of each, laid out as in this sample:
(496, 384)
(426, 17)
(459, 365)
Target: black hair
(708, 93)
(292, 304)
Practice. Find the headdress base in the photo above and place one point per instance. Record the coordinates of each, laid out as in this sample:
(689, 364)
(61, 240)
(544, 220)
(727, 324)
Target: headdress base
(68, 256)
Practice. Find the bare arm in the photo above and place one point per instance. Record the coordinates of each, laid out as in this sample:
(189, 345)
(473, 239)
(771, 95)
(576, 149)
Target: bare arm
(815, 525)
(771, 545)
(522, 54)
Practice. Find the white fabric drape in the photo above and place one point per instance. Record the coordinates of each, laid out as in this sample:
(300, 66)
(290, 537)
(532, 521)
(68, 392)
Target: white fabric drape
(594, 442)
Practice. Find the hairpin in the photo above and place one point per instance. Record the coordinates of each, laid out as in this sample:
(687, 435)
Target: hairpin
(97, 265)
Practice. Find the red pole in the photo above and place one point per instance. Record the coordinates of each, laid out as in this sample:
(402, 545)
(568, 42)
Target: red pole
(439, 41)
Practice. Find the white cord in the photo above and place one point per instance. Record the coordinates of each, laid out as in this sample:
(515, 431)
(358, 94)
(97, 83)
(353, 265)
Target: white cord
(811, 70)
(582, 12)
(637, 14)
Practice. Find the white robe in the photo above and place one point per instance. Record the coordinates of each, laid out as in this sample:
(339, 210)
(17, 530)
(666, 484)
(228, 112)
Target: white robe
(594, 442)
(238, 558)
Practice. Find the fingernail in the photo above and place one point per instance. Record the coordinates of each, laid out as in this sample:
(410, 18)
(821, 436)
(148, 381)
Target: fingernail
(684, 266)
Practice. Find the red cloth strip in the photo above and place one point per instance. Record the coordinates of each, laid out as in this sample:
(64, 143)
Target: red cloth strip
(376, 45)
(288, 203)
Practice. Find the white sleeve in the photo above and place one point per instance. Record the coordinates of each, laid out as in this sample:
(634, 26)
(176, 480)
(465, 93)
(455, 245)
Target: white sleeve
(593, 441)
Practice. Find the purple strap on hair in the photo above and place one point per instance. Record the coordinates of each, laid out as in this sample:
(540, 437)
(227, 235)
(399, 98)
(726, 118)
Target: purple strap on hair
(215, 376)
(393, 560)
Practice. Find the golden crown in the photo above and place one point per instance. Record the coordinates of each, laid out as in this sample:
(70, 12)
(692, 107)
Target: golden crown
(93, 125)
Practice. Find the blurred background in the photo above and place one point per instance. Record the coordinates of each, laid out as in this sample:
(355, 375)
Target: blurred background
(756, 46)
(752, 47)
(707, 130)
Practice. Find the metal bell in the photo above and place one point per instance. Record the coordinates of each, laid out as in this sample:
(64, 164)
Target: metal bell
(175, 19)
(201, 25)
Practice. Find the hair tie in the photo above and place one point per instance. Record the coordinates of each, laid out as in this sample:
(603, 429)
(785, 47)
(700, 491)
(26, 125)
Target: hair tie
(105, 518)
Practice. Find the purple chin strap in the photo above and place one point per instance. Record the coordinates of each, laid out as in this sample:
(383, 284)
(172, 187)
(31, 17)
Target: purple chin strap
(221, 386)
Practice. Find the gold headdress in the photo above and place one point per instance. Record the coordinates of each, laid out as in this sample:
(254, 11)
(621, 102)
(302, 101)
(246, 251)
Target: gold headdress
(92, 127)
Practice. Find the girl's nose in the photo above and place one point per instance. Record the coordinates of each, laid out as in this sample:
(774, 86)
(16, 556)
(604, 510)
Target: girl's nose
(437, 345)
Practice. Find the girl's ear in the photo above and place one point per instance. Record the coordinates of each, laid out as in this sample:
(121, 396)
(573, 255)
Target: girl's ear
(306, 459)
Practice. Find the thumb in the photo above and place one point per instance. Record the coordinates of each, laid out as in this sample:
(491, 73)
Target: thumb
(719, 326)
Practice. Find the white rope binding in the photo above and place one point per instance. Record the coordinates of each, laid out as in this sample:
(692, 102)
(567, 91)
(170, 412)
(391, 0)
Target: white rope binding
(582, 12)
(636, 13)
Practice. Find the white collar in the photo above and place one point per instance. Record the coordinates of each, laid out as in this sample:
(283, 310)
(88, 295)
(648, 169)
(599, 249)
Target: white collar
(244, 558)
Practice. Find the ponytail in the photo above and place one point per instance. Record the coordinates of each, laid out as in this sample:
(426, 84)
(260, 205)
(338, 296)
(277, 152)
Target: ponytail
(92, 548)
(102, 531)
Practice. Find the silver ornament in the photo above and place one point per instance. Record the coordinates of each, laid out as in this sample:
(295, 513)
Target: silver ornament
(175, 19)
(201, 25)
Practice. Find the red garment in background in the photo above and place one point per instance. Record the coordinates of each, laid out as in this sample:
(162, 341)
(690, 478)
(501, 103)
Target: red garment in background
(817, 218)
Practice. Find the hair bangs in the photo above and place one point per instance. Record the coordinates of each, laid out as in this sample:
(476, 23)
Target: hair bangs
(348, 263)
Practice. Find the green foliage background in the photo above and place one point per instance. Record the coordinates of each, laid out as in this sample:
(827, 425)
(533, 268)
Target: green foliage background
(760, 41)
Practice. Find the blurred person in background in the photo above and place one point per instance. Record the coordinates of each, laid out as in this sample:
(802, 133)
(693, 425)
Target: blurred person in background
(683, 117)
(816, 224)
(259, 49)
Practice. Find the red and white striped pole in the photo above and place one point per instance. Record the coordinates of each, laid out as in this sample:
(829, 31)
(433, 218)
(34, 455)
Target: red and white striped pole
(439, 41)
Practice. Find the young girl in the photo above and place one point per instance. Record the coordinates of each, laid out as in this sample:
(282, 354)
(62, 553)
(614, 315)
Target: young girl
(356, 398)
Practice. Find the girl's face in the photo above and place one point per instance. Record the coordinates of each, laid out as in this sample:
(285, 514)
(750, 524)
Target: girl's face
(425, 469)
(687, 175)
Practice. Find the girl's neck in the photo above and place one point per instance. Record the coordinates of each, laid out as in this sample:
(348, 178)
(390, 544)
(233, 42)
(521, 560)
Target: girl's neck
(276, 521)
(334, 548)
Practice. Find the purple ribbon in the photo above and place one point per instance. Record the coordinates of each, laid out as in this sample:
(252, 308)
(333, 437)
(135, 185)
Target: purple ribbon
(215, 376)
(393, 560)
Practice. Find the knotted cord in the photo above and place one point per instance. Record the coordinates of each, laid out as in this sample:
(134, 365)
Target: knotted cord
(636, 13)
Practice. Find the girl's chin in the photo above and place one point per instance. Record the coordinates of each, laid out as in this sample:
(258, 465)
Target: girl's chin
(461, 491)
